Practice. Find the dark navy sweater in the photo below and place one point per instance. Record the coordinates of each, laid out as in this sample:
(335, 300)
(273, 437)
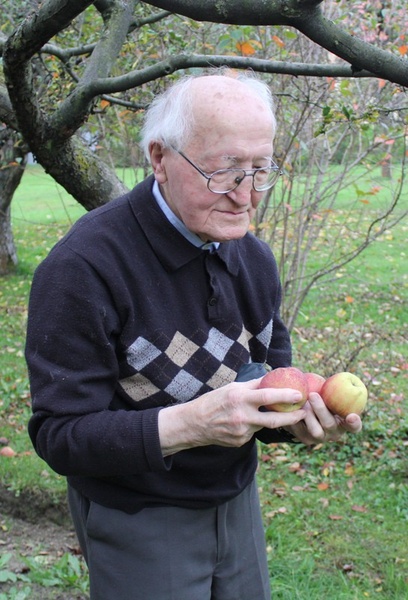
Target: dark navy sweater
(125, 317)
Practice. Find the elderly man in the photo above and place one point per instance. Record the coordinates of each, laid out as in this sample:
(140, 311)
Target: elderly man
(148, 323)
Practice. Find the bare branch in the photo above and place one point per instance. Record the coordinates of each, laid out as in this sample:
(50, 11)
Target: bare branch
(64, 54)
(184, 61)
(155, 18)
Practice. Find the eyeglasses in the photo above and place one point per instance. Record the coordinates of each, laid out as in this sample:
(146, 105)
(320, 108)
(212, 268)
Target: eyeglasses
(226, 180)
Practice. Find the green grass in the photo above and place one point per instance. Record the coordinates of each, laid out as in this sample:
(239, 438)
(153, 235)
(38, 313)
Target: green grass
(336, 521)
(336, 516)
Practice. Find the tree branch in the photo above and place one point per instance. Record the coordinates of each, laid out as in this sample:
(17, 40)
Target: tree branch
(154, 18)
(184, 61)
(361, 55)
(7, 114)
(67, 159)
(102, 5)
(309, 3)
(20, 47)
(33, 33)
(64, 54)
(74, 109)
(234, 12)
(306, 17)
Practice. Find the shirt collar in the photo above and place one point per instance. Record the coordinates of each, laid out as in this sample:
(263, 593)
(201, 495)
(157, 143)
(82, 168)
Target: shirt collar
(178, 224)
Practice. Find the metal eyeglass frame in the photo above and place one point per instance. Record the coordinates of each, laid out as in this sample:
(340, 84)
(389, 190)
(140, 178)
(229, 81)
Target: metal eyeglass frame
(246, 173)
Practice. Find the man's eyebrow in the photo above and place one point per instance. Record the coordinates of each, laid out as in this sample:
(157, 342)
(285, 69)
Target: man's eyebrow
(236, 159)
(229, 158)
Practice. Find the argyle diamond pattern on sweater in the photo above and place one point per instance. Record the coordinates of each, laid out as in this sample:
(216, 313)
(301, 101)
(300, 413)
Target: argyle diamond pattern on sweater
(182, 368)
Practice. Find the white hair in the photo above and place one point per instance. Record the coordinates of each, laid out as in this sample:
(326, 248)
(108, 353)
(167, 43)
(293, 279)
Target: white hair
(169, 119)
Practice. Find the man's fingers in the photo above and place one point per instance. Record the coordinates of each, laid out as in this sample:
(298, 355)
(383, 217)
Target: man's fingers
(352, 423)
(270, 397)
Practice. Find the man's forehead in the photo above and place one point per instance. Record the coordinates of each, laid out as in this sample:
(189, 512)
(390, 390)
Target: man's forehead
(226, 104)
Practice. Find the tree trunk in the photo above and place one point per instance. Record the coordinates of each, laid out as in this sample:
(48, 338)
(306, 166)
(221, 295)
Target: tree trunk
(386, 167)
(10, 177)
(8, 255)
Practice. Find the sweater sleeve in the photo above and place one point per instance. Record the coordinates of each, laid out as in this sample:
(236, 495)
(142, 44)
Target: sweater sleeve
(72, 334)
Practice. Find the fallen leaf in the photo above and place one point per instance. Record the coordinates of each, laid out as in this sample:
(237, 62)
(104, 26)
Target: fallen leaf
(280, 492)
(7, 451)
(271, 514)
(358, 508)
(294, 467)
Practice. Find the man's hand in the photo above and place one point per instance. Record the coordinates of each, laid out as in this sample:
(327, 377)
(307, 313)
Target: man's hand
(320, 425)
(228, 416)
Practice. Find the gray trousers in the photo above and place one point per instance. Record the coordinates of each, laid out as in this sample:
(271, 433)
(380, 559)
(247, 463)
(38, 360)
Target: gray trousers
(171, 553)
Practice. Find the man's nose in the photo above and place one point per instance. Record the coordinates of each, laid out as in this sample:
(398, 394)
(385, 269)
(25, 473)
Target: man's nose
(242, 193)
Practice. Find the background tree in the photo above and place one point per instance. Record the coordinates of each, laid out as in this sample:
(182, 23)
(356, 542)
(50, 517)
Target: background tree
(80, 72)
(48, 122)
(13, 156)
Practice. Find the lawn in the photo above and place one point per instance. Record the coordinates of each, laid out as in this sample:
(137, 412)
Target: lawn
(336, 516)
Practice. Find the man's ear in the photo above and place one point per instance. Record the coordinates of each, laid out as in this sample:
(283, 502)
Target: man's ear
(157, 160)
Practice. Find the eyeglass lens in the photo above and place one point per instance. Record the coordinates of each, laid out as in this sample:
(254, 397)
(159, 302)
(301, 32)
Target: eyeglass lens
(228, 179)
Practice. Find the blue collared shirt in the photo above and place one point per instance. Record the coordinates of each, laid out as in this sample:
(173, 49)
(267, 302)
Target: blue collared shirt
(179, 225)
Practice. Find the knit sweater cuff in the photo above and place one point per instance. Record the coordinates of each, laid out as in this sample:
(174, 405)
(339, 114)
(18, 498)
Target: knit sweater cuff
(151, 441)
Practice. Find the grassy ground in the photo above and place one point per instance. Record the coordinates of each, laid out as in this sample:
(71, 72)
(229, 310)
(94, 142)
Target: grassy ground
(336, 516)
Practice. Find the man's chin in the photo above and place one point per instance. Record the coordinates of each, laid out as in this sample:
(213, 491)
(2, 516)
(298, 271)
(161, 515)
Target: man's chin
(229, 230)
(230, 233)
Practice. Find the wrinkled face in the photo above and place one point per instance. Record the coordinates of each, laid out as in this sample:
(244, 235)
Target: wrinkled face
(233, 129)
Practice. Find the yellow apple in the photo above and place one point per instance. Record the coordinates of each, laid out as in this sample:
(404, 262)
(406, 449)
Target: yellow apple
(344, 393)
(286, 377)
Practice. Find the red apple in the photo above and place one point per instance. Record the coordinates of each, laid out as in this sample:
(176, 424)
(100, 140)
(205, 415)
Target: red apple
(286, 377)
(314, 382)
(344, 393)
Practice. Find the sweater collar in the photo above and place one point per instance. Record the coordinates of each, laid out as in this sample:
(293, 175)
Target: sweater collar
(171, 247)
